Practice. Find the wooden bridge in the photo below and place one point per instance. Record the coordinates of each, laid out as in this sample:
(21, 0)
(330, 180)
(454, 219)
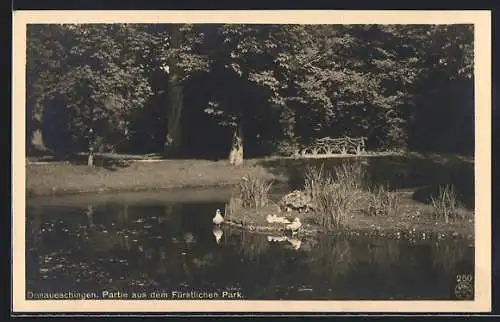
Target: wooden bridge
(329, 146)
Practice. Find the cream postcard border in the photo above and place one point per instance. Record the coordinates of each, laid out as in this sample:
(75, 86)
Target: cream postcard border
(482, 69)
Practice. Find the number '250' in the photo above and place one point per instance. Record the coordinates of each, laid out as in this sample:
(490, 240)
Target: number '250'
(464, 278)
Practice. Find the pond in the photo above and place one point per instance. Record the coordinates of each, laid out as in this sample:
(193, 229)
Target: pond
(163, 244)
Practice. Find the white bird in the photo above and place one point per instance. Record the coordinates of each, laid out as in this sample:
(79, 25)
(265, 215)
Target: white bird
(276, 219)
(217, 234)
(294, 226)
(218, 219)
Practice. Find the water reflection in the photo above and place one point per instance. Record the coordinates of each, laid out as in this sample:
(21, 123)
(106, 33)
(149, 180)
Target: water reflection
(128, 246)
(217, 234)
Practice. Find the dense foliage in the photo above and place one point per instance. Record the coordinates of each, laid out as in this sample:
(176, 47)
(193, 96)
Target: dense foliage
(401, 86)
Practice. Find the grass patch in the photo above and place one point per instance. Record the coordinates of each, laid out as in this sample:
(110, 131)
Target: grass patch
(445, 205)
(253, 190)
(383, 202)
(61, 178)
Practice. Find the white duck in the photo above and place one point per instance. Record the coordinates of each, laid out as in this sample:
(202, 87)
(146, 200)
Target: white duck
(276, 219)
(294, 226)
(217, 234)
(218, 219)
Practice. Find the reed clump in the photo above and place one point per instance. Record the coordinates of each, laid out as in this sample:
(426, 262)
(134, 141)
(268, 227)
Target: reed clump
(334, 193)
(253, 190)
(446, 205)
(383, 202)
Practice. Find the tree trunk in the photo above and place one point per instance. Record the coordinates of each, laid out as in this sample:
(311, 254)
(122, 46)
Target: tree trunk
(287, 124)
(236, 153)
(36, 127)
(175, 98)
(174, 130)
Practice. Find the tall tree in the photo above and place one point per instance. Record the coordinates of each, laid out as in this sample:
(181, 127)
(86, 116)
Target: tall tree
(177, 55)
(105, 80)
(46, 52)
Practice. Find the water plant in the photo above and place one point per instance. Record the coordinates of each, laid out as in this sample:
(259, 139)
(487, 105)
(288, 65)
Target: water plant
(446, 204)
(314, 179)
(334, 193)
(253, 190)
(383, 202)
(352, 174)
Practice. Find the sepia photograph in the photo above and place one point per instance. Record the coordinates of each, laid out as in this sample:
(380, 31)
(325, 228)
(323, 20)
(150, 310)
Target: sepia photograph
(251, 161)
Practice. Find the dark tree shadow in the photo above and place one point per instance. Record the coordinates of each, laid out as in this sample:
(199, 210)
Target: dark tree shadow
(108, 163)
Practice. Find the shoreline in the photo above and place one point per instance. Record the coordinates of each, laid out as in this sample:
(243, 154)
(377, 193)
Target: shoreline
(418, 234)
(66, 179)
(358, 224)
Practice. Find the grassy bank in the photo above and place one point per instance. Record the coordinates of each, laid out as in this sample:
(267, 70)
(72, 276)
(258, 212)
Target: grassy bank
(67, 178)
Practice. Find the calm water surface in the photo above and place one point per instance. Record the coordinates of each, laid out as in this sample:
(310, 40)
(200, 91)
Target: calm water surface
(165, 241)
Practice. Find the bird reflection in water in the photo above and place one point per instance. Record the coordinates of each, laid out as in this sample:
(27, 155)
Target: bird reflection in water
(89, 213)
(276, 238)
(189, 238)
(217, 234)
(294, 242)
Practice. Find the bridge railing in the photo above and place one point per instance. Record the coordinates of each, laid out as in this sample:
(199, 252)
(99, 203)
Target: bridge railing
(328, 146)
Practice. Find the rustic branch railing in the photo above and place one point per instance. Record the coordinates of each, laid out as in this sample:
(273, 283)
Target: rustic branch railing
(328, 146)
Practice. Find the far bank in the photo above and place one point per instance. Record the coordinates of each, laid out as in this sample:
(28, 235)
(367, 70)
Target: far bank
(408, 171)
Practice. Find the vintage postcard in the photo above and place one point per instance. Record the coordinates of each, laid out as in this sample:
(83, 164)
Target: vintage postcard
(251, 161)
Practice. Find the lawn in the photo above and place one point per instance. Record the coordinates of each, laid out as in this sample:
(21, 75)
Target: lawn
(66, 178)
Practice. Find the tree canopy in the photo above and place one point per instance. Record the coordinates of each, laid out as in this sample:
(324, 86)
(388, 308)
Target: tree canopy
(282, 84)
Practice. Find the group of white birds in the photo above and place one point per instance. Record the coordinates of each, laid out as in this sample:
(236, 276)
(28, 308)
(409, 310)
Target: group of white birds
(293, 227)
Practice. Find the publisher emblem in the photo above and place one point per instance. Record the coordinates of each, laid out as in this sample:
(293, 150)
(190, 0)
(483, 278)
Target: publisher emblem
(464, 290)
